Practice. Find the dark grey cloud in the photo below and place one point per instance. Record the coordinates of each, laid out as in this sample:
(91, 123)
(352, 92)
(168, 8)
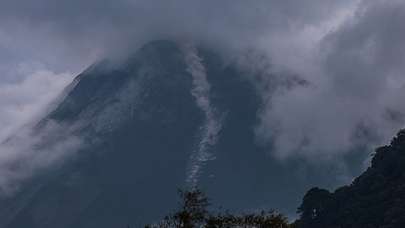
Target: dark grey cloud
(356, 95)
(368, 50)
(92, 24)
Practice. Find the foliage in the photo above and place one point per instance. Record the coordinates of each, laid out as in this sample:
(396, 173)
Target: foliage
(193, 212)
(374, 199)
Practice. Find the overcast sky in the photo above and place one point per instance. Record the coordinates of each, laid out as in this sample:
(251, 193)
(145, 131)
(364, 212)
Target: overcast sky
(351, 52)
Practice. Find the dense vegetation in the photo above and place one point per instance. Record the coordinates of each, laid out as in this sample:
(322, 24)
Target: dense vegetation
(375, 199)
(193, 212)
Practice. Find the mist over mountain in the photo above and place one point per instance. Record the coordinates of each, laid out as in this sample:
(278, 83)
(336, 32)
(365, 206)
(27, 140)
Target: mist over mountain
(170, 116)
(107, 107)
(337, 47)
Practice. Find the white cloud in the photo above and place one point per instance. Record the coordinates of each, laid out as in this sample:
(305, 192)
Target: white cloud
(31, 150)
(24, 100)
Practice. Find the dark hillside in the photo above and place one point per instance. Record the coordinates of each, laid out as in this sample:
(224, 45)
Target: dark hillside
(375, 199)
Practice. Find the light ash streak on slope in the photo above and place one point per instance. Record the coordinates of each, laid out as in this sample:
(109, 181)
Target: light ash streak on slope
(212, 125)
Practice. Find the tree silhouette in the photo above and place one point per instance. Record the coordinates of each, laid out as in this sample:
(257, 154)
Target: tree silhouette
(193, 212)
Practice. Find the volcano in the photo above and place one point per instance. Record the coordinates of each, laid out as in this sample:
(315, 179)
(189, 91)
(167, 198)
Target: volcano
(170, 116)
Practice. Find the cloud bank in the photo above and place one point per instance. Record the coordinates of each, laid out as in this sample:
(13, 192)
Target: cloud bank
(356, 93)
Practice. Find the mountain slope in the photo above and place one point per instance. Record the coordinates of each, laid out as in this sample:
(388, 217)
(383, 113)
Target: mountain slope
(375, 199)
(170, 116)
(136, 147)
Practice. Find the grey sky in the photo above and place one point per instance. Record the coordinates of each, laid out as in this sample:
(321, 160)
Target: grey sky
(351, 53)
